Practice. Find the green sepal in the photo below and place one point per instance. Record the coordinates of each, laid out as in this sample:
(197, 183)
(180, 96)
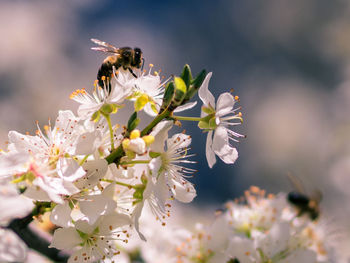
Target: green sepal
(203, 125)
(133, 122)
(208, 110)
(154, 154)
(186, 75)
(83, 235)
(96, 116)
(144, 179)
(195, 84)
(107, 108)
(212, 123)
(198, 80)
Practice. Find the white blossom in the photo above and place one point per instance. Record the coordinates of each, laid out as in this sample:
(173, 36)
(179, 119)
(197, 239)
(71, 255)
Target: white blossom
(219, 121)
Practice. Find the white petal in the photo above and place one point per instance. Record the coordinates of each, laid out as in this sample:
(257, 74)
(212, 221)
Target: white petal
(187, 106)
(13, 205)
(242, 249)
(204, 94)
(69, 169)
(209, 153)
(36, 193)
(180, 140)
(60, 215)
(25, 143)
(224, 104)
(95, 206)
(65, 238)
(183, 191)
(154, 165)
(85, 227)
(12, 248)
(13, 163)
(136, 216)
(222, 148)
(110, 222)
(88, 142)
(148, 109)
(160, 132)
(95, 170)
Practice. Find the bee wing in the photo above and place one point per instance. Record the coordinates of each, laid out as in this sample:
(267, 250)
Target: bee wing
(296, 182)
(317, 195)
(104, 47)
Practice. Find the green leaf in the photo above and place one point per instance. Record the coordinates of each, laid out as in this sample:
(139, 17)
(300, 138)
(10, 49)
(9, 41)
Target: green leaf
(186, 75)
(131, 122)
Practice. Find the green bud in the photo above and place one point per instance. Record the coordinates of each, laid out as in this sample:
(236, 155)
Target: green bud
(133, 122)
(180, 93)
(186, 75)
(180, 85)
(168, 95)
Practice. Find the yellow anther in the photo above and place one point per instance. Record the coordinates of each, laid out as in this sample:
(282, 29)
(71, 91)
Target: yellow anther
(236, 97)
(240, 114)
(151, 65)
(156, 73)
(148, 139)
(103, 78)
(125, 144)
(135, 134)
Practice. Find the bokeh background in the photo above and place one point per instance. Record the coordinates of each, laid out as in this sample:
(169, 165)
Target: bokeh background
(289, 61)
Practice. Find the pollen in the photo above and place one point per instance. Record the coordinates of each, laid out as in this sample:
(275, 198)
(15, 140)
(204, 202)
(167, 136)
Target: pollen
(236, 97)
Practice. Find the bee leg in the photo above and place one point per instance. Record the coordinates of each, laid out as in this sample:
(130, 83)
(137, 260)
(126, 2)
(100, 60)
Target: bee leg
(143, 63)
(132, 72)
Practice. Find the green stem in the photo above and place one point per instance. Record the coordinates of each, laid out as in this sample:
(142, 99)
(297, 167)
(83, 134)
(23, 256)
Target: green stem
(84, 159)
(135, 162)
(183, 118)
(156, 120)
(117, 182)
(108, 118)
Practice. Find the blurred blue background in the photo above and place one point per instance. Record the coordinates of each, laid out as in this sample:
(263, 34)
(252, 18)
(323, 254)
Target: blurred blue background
(287, 60)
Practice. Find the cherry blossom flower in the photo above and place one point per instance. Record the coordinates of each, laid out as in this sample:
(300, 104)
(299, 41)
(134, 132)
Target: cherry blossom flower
(218, 120)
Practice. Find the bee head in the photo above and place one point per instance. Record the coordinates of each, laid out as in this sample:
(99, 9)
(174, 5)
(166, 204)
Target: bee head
(137, 57)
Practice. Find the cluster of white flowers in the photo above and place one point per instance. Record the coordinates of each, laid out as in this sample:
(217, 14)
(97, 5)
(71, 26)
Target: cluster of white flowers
(261, 229)
(95, 176)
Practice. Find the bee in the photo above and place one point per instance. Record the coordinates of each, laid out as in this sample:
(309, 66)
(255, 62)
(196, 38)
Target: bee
(305, 204)
(124, 57)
